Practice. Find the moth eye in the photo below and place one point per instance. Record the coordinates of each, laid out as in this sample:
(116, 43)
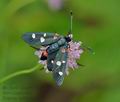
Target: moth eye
(44, 35)
(33, 36)
(42, 40)
(58, 63)
(60, 73)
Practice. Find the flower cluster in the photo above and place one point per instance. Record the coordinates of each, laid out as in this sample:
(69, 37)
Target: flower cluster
(73, 55)
(55, 4)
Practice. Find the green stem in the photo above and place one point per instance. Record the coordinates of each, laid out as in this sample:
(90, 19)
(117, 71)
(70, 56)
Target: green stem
(26, 71)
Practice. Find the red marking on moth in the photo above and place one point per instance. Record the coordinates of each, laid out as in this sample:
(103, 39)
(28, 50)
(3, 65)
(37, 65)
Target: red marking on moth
(45, 53)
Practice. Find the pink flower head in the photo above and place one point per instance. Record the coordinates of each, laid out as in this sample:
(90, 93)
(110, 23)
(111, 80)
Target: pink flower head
(74, 54)
(55, 4)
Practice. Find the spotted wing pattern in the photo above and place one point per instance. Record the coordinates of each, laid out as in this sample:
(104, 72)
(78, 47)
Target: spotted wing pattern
(52, 50)
(50, 60)
(59, 65)
(38, 39)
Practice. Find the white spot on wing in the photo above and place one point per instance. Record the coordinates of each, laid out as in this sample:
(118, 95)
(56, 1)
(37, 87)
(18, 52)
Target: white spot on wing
(55, 37)
(33, 35)
(52, 61)
(63, 61)
(58, 63)
(60, 73)
(44, 35)
(42, 40)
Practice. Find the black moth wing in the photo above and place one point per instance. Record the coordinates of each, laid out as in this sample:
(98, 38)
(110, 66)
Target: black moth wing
(38, 39)
(59, 65)
(50, 59)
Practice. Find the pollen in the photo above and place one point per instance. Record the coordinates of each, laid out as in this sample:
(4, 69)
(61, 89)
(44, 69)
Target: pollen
(63, 50)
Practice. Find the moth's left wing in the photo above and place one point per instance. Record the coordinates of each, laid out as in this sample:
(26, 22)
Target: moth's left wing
(38, 39)
(59, 66)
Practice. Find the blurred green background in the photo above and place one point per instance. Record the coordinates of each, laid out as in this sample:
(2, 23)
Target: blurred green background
(96, 23)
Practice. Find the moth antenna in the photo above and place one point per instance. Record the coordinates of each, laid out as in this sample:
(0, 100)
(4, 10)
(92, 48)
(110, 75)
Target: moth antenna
(81, 65)
(71, 20)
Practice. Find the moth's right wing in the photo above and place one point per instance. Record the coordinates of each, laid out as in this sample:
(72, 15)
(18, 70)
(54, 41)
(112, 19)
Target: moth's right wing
(38, 39)
(50, 60)
(53, 51)
(59, 66)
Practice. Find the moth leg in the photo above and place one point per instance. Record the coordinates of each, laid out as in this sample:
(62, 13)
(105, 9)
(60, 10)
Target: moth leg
(80, 65)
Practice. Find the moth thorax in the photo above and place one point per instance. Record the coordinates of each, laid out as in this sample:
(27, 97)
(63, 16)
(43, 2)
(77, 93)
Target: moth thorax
(69, 37)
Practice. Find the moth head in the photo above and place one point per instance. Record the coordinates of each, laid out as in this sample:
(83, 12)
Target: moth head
(69, 37)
